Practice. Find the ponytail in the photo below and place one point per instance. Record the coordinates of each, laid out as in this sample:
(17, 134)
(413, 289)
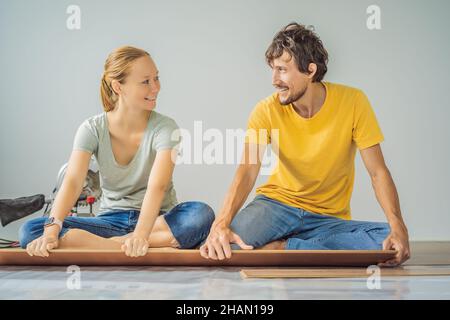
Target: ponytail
(109, 97)
(117, 67)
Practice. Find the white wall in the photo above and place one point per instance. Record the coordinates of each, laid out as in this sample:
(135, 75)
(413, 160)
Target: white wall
(211, 58)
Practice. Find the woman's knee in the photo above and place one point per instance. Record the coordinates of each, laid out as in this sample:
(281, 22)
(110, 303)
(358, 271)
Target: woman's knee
(190, 222)
(200, 214)
(193, 215)
(31, 230)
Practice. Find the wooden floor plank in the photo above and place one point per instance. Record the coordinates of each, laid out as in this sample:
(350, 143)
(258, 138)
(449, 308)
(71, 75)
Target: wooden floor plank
(345, 272)
(422, 253)
(429, 253)
(177, 257)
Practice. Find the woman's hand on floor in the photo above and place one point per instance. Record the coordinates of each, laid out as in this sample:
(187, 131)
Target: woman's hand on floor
(135, 246)
(40, 246)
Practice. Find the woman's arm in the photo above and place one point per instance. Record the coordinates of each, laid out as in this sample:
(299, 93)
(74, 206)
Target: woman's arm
(65, 199)
(72, 185)
(160, 177)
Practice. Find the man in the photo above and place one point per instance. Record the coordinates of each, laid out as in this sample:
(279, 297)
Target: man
(305, 203)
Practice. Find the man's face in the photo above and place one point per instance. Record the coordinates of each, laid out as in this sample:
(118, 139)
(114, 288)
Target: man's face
(290, 83)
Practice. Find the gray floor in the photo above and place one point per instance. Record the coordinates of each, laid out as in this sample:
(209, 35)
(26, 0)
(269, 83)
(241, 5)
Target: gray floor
(216, 283)
(201, 283)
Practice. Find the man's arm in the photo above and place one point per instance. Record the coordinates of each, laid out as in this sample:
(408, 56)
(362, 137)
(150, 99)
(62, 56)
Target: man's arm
(217, 245)
(387, 196)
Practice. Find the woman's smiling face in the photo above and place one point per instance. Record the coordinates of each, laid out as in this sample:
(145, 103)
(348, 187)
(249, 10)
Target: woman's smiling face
(141, 87)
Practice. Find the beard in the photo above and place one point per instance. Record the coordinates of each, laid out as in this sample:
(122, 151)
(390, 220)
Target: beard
(292, 97)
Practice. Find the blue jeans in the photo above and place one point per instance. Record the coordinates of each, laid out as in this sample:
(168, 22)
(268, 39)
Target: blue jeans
(265, 220)
(189, 222)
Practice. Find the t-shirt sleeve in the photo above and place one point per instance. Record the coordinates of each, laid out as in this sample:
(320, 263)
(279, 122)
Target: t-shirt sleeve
(366, 131)
(258, 125)
(85, 138)
(168, 135)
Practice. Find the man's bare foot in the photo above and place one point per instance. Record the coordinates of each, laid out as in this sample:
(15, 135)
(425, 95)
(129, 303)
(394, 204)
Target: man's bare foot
(275, 245)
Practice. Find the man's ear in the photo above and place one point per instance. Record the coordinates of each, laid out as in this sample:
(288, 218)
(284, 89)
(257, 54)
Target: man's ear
(115, 85)
(312, 69)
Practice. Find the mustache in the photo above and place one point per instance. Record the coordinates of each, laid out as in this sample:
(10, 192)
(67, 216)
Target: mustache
(277, 86)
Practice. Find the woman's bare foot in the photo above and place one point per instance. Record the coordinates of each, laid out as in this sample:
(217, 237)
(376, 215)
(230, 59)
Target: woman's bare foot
(81, 239)
(274, 245)
(120, 239)
(160, 237)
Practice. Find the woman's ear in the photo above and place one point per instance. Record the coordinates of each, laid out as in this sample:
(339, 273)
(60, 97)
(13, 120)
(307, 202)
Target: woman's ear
(115, 85)
(312, 68)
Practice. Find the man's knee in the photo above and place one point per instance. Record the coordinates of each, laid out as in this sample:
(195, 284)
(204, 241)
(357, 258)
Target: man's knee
(240, 223)
(248, 218)
(382, 228)
(249, 226)
(383, 231)
(378, 232)
(260, 222)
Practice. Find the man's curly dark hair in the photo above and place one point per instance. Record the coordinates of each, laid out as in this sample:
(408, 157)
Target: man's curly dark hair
(303, 45)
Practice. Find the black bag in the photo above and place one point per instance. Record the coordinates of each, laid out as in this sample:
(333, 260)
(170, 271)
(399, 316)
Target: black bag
(15, 209)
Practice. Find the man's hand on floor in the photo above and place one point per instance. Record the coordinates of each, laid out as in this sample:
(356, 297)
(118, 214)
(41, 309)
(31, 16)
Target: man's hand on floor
(217, 245)
(398, 241)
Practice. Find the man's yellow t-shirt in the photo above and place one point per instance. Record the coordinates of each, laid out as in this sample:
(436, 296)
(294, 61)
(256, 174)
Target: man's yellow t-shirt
(315, 169)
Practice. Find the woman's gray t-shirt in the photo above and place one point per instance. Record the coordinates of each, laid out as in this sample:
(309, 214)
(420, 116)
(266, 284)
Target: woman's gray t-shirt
(124, 187)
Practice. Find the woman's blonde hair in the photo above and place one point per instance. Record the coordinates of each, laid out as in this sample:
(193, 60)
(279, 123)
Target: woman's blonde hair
(117, 67)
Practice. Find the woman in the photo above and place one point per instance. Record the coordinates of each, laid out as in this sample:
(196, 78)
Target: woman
(135, 149)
